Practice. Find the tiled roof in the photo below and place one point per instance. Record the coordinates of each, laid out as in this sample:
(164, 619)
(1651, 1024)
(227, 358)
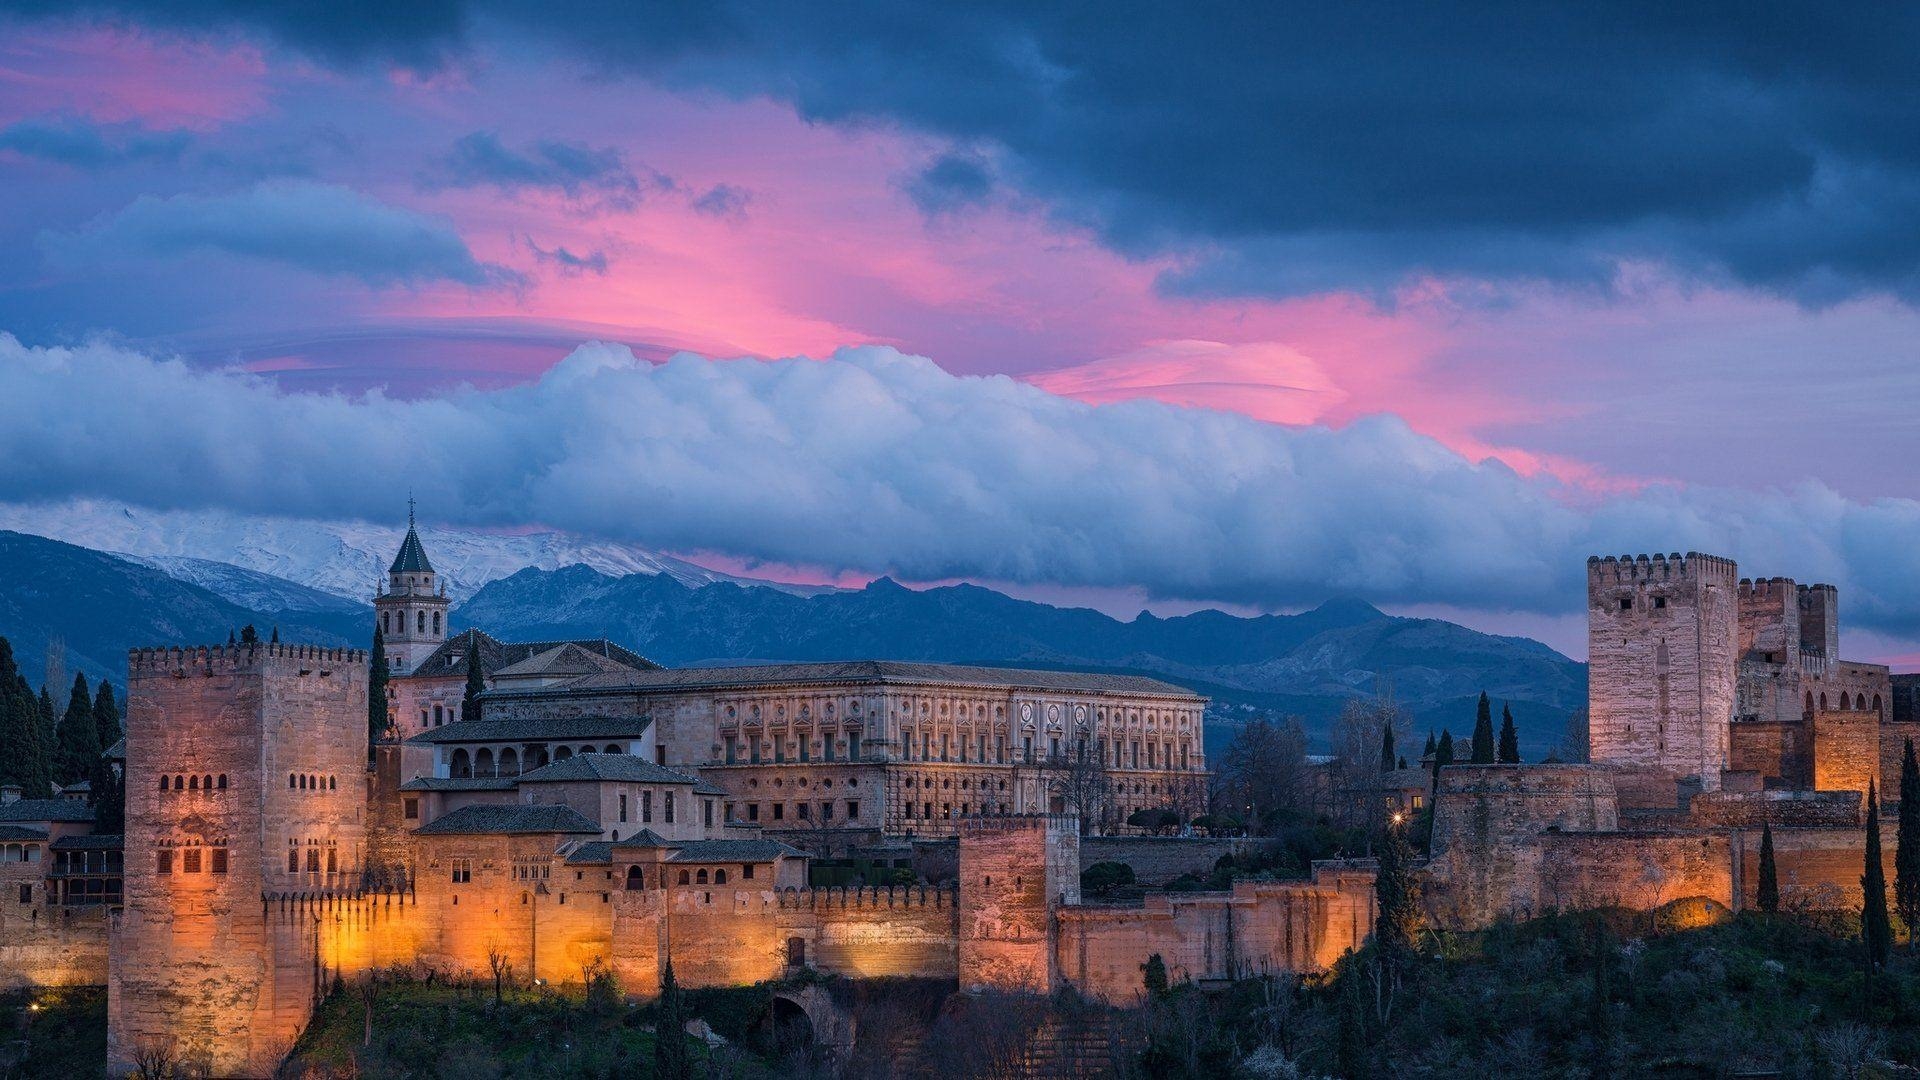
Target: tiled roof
(412, 558)
(593, 851)
(645, 838)
(542, 728)
(66, 811)
(509, 819)
(731, 850)
(21, 832)
(89, 842)
(459, 783)
(565, 660)
(621, 767)
(496, 654)
(872, 671)
(708, 787)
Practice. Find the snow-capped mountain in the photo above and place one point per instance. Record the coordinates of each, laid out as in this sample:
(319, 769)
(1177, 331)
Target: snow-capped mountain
(345, 558)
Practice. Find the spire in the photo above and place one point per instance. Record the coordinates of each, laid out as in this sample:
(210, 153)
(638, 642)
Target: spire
(412, 558)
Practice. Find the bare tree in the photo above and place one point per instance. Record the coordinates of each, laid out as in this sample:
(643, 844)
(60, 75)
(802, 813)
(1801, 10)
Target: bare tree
(1080, 777)
(1264, 770)
(502, 968)
(369, 996)
(1359, 800)
(1573, 747)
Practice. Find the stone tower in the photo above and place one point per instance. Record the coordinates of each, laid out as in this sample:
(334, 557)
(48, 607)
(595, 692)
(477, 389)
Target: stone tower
(1820, 620)
(1663, 651)
(246, 782)
(412, 612)
(1015, 872)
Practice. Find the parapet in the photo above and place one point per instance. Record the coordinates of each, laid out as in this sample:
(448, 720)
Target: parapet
(1634, 569)
(254, 657)
(1773, 588)
(985, 826)
(868, 897)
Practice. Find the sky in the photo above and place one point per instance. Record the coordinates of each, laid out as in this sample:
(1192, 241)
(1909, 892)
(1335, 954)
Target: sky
(1248, 306)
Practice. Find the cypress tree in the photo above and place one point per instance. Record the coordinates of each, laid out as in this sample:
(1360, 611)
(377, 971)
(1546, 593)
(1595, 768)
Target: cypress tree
(49, 726)
(1906, 852)
(1509, 738)
(106, 716)
(275, 640)
(1431, 746)
(1874, 927)
(1443, 753)
(1396, 900)
(476, 679)
(1483, 732)
(1768, 897)
(108, 794)
(78, 739)
(249, 636)
(670, 1058)
(29, 748)
(377, 688)
(1154, 976)
(1386, 747)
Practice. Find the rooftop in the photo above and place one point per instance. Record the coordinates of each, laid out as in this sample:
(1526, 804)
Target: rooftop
(732, 850)
(496, 654)
(478, 820)
(66, 811)
(894, 672)
(412, 558)
(622, 767)
(459, 783)
(89, 842)
(21, 832)
(544, 729)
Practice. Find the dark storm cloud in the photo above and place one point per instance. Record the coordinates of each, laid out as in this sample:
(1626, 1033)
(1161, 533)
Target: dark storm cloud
(82, 144)
(573, 169)
(948, 183)
(1775, 146)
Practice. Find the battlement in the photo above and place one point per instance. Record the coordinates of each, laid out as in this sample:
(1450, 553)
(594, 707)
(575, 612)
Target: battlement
(178, 660)
(982, 826)
(1774, 588)
(868, 898)
(1818, 587)
(1655, 568)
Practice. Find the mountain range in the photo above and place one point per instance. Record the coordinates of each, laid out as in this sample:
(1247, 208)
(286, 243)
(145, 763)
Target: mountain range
(99, 603)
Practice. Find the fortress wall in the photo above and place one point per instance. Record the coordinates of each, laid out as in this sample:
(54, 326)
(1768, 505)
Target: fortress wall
(1771, 748)
(1780, 808)
(1846, 750)
(1257, 929)
(872, 932)
(1486, 822)
(1013, 872)
(1817, 868)
(1633, 870)
(1893, 747)
(1157, 860)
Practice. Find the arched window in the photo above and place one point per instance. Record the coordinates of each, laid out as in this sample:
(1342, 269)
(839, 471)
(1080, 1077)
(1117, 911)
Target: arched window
(1876, 704)
(420, 621)
(719, 877)
(509, 762)
(612, 749)
(436, 624)
(460, 766)
(206, 782)
(562, 753)
(386, 622)
(290, 781)
(1823, 701)
(685, 879)
(483, 762)
(333, 861)
(333, 783)
(193, 783)
(163, 783)
(293, 860)
(700, 878)
(636, 878)
(223, 781)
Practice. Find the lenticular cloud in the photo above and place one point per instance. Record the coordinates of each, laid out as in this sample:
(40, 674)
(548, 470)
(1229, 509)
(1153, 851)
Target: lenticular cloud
(875, 461)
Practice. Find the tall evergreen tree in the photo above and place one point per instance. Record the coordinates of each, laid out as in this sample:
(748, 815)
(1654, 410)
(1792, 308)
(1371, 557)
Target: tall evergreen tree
(377, 688)
(24, 744)
(49, 725)
(476, 679)
(1768, 897)
(1443, 753)
(1386, 747)
(1509, 738)
(1602, 1036)
(78, 739)
(249, 636)
(108, 794)
(275, 640)
(1875, 929)
(1431, 746)
(1906, 851)
(670, 1058)
(1483, 732)
(106, 716)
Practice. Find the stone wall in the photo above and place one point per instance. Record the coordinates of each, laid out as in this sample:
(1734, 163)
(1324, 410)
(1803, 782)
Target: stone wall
(1780, 808)
(1817, 868)
(1773, 749)
(1013, 871)
(1486, 822)
(1846, 750)
(47, 944)
(1634, 870)
(1893, 747)
(1257, 929)
(1156, 860)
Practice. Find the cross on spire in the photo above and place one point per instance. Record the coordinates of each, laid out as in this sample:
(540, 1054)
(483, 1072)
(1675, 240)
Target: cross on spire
(409, 508)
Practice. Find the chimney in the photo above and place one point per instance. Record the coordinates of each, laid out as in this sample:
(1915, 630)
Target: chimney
(9, 793)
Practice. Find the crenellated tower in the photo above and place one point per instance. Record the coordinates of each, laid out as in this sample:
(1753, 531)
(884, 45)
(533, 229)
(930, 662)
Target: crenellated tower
(412, 611)
(245, 780)
(1663, 645)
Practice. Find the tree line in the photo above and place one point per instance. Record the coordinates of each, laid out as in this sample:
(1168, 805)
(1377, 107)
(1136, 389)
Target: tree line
(44, 749)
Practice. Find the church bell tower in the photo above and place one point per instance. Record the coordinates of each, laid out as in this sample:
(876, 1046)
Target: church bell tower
(412, 612)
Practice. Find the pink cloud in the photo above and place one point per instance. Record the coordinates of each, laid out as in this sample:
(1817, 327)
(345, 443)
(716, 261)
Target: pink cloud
(114, 75)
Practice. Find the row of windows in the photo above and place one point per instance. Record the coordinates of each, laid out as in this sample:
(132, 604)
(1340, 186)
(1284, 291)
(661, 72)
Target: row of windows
(946, 811)
(311, 859)
(801, 811)
(637, 877)
(190, 860)
(388, 621)
(510, 762)
(194, 783)
(309, 782)
(826, 748)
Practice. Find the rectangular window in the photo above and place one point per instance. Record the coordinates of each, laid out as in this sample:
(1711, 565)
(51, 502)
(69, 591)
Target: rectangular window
(753, 811)
(853, 746)
(753, 753)
(1026, 748)
(826, 745)
(26, 894)
(779, 811)
(646, 806)
(746, 872)
(806, 749)
(219, 860)
(667, 805)
(826, 811)
(190, 861)
(1626, 603)
(731, 748)
(462, 871)
(413, 809)
(1000, 749)
(163, 861)
(313, 860)
(805, 810)
(623, 806)
(853, 809)
(706, 812)
(779, 751)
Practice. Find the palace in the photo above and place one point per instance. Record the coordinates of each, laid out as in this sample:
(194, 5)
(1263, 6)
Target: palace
(603, 813)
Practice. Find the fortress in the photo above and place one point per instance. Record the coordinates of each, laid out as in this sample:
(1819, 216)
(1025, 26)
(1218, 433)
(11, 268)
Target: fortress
(604, 813)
